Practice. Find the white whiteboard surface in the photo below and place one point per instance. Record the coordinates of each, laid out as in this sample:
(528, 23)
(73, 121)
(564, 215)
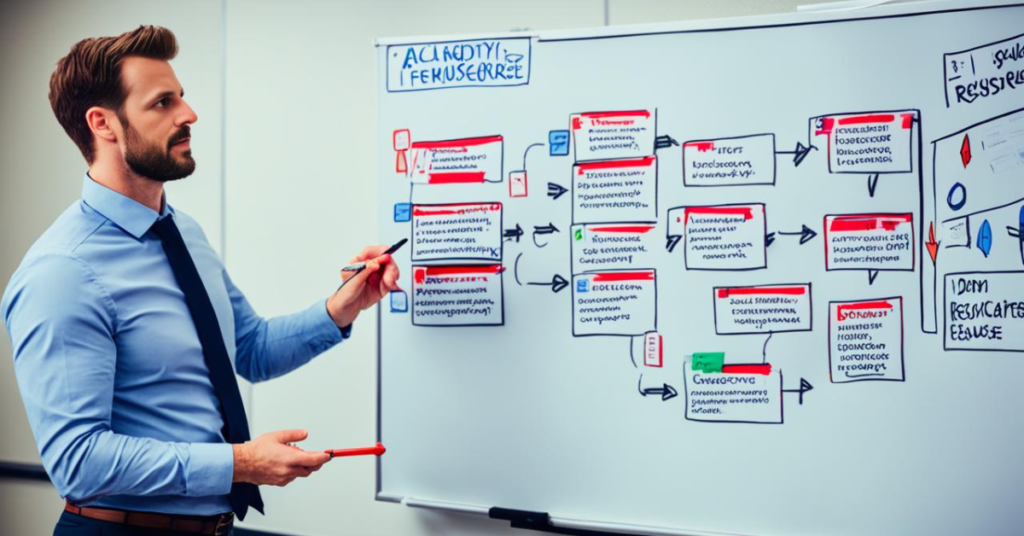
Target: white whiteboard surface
(759, 184)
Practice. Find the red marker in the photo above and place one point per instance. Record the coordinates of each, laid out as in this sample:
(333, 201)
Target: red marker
(376, 451)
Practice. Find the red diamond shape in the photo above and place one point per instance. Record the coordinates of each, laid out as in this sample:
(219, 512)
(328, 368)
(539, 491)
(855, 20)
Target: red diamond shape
(965, 151)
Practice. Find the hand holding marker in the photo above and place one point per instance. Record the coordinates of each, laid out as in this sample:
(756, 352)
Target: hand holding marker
(360, 266)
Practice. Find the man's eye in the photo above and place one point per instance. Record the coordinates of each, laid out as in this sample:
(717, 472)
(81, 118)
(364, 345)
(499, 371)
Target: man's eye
(162, 103)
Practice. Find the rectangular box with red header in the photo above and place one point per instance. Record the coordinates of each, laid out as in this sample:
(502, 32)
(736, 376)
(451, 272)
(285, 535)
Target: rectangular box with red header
(615, 191)
(876, 241)
(459, 161)
(867, 143)
(866, 340)
(731, 392)
(763, 309)
(616, 134)
(458, 295)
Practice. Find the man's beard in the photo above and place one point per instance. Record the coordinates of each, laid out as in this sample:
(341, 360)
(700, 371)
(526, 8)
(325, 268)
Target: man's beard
(154, 162)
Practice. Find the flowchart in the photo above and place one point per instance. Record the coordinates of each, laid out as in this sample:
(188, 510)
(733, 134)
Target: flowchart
(962, 237)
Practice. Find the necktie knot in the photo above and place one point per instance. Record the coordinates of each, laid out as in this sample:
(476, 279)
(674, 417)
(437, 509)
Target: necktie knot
(164, 228)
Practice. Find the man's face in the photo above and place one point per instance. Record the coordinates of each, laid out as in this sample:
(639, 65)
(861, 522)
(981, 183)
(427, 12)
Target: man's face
(155, 120)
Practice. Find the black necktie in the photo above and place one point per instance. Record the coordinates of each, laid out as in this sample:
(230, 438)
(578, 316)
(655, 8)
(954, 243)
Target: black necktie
(222, 375)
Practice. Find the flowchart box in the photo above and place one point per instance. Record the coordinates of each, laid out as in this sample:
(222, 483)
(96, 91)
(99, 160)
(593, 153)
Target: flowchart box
(739, 161)
(623, 303)
(763, 309)
(881, 242)
(458, 295)
(721, 237)
(616, 190)
(464, 160)
(866, 340)
(984, 311)
(614, 245)
(868, 143)
(457, 231)
(610, 135)
(737, 393)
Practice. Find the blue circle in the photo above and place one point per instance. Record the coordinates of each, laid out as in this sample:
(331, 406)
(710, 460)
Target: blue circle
(963, 197)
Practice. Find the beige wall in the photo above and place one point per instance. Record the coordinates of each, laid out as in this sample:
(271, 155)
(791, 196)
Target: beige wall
(298, 96)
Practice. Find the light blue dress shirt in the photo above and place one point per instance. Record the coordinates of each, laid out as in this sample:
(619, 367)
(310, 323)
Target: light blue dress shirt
(110, 366)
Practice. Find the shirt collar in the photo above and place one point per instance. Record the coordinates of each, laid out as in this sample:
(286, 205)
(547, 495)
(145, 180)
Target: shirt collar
(125, 212)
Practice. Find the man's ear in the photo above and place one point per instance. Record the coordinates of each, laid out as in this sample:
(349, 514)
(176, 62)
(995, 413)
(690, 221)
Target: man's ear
(101, 123)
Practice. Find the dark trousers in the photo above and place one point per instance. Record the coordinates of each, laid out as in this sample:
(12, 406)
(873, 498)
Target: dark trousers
(74, 525)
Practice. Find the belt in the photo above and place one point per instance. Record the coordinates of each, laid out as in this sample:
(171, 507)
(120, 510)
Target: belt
(218, 525)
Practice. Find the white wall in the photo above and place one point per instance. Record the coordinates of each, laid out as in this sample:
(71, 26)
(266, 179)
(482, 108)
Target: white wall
(300, 110)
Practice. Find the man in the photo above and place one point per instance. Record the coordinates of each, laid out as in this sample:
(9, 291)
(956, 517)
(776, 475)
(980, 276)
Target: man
(127, 330)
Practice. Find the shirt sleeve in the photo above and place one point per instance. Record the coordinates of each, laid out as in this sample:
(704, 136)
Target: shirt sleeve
(267, 349)
(62, 326)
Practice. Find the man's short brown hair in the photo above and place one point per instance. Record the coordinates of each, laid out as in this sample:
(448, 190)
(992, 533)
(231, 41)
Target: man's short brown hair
(90, 75)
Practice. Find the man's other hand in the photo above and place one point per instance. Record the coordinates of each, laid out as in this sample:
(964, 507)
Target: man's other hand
(269, 459)
(364, 289)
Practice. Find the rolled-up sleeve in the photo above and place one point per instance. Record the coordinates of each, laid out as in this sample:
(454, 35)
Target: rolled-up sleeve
(62, 322)
(268, 348)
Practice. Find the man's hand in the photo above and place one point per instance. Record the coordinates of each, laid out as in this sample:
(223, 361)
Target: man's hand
(365, 288)
(269, 459)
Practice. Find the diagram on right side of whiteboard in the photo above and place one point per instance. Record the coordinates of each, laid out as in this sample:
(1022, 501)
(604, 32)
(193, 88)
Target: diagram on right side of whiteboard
(595, 214)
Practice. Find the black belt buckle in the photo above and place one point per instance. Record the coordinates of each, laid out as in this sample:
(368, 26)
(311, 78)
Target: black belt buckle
(224, 524)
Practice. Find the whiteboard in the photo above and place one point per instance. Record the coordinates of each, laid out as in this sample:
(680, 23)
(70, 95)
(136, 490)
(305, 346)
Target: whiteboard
(758, 276)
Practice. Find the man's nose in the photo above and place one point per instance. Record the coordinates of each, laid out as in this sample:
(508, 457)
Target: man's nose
(188, 115)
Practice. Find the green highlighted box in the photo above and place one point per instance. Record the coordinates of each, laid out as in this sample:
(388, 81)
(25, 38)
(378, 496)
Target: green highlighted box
(708, 362)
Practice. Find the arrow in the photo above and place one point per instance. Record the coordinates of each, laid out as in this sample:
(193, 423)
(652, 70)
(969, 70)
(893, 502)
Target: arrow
(666, 391)
(557, 283)
(804, 387)
(872, 183)
(805, 233)
(543, 230)
(555, 190)
(513, 234)
(872, 274)
(769, 239)
(664, 142)
(931, 244)
(799, 153)
(672, 242)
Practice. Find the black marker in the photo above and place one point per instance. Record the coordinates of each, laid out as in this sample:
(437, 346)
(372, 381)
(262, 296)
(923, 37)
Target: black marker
(360, 266)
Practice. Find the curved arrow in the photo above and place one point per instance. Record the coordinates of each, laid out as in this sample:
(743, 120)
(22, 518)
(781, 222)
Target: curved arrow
(543, 230)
